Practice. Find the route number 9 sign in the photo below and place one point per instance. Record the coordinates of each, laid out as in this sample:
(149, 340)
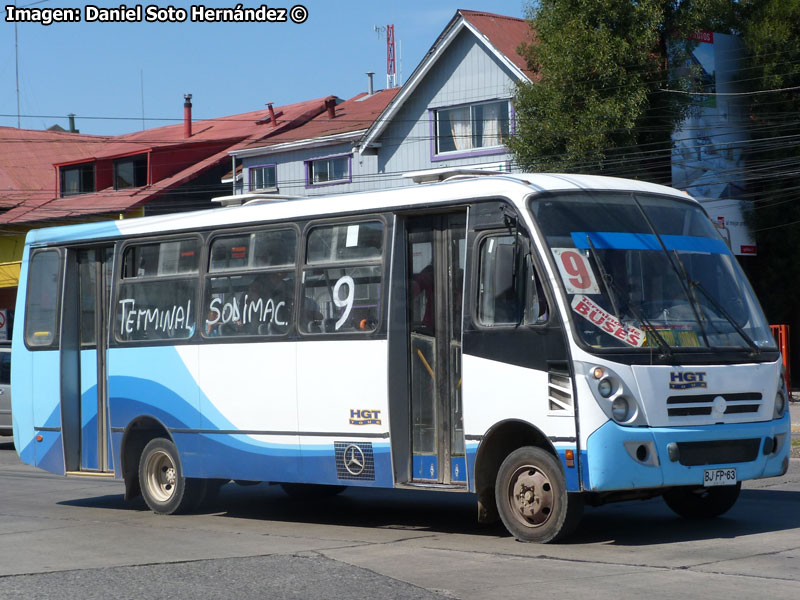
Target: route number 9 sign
(576, 272)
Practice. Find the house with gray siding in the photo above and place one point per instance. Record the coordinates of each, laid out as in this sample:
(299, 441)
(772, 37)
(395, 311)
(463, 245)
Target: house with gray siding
(454, 111)
(318, 157)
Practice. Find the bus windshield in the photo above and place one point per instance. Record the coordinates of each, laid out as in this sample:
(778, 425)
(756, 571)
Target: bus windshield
(644, 270)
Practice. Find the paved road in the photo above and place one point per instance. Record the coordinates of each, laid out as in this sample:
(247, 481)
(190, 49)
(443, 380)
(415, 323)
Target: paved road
(77, 538)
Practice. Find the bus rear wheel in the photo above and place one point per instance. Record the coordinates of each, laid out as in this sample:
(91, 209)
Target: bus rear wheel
(702, 502)
(164, 488)
(532, 497)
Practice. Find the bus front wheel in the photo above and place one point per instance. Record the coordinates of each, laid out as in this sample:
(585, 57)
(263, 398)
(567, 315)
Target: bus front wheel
(702, 502)
(532, 497)
(164, 488)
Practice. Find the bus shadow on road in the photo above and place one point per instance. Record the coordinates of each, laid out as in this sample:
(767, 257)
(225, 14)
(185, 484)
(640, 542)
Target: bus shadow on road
(651, 522)
(412, 510)
(634, 523)
(627, 524)
(356, 507)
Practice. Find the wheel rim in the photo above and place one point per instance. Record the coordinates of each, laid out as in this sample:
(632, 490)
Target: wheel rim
(530, 496)
(161, 476)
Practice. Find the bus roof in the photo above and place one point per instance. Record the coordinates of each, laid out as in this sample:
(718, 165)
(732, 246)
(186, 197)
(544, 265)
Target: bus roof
(512, 186)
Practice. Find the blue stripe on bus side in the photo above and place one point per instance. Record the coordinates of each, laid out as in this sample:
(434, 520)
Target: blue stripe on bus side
(646, 241)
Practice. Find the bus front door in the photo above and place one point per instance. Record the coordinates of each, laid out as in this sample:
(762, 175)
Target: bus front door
(436, 253)
(84, 336)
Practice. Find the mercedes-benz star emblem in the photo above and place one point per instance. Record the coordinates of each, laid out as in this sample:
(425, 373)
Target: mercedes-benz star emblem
(354, 460)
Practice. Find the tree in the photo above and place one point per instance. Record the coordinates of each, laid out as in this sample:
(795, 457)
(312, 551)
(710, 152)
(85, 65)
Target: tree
(596, 103)
(771, 33)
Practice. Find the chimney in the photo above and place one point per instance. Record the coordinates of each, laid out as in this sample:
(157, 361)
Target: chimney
(71, 117)
(330, 104)
(370, 89)
(187, 116)
(272, 114)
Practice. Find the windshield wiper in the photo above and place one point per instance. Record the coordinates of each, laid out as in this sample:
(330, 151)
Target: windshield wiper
(605, 278)
(611, 289)
(753, 346)
(666, 349)
(683, 278)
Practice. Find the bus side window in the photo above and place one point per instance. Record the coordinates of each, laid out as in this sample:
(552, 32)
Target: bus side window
(338, 295)
(156, 296)
(498, 300)
(250, 286)
(510, 290)
(41, 309)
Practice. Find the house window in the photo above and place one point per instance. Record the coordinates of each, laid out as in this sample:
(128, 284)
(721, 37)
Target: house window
(263, 177)
(335, 169)
(130, 172)
(471, 127)
(77, 179)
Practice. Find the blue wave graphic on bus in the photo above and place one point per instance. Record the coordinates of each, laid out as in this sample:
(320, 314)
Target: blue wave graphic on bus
(228, 455)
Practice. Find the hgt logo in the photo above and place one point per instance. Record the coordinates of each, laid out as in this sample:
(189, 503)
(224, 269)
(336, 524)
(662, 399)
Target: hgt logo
(679, 380)
(364, 417)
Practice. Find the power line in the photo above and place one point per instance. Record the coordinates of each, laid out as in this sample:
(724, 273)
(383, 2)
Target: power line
(703, 93)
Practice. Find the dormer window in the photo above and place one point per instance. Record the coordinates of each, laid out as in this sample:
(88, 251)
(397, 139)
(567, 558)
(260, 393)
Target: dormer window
(130, 172)
(77, 179)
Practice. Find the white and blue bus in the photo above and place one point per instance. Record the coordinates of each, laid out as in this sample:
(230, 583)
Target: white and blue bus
(540, 341)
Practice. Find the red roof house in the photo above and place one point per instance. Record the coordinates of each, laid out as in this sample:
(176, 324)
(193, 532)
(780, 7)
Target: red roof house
(165, 169)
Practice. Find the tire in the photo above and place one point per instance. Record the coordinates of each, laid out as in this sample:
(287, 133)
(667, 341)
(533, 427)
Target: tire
(311, 491)
(164, 488)
(702, 502)
(532, 497)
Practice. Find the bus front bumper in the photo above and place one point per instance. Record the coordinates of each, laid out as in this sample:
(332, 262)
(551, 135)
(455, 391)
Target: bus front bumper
(625, 458)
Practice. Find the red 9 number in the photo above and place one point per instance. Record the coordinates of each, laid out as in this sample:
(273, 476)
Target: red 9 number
(575, 266)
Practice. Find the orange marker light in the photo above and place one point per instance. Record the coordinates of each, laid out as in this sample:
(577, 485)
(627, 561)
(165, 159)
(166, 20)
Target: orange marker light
(569, 456)
(39, 438)
(598, 372)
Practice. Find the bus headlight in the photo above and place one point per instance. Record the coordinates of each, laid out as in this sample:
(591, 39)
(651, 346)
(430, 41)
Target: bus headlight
(781, 395)
(780, 405)
(620, 409)
(605, 387)
(615, 397)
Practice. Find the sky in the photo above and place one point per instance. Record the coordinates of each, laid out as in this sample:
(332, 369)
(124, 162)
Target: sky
(110, 74)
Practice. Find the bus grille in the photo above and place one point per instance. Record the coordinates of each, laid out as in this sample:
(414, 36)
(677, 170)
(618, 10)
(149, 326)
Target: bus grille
(722, 452)
(694, 405)
(354, 461)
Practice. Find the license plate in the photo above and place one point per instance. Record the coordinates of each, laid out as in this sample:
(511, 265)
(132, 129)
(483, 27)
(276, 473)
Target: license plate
(719, 477)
